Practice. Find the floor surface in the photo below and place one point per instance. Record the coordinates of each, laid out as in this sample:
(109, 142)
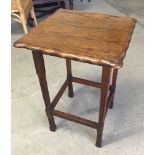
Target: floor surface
(123, 131)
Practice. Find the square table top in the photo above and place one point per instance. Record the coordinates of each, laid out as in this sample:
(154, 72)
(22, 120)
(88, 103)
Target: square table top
(87, 37)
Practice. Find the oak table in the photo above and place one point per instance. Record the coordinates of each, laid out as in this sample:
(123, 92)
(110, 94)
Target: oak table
(93, 38)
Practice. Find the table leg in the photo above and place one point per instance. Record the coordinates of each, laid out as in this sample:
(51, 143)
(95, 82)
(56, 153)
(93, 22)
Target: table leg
(71, 4)
(114, 79)
(69, 78)
(105, 81)
(40, 70)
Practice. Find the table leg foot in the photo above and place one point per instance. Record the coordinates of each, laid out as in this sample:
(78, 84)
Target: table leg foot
(70, 91)
(53, 128)
(52, 125)
(111, 105)
(98, 145)
(70, 95)
(99, 137)
(51, 121)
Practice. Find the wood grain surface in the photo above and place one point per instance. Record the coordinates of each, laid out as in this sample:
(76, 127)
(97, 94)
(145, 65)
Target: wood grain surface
(87, 37)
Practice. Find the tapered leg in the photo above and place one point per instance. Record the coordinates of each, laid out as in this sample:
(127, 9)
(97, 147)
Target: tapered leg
(40, 70)
(114, 79)
(106, 73)
(69, 78)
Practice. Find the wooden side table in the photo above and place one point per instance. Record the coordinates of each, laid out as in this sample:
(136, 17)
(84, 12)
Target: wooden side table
(93, 38)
